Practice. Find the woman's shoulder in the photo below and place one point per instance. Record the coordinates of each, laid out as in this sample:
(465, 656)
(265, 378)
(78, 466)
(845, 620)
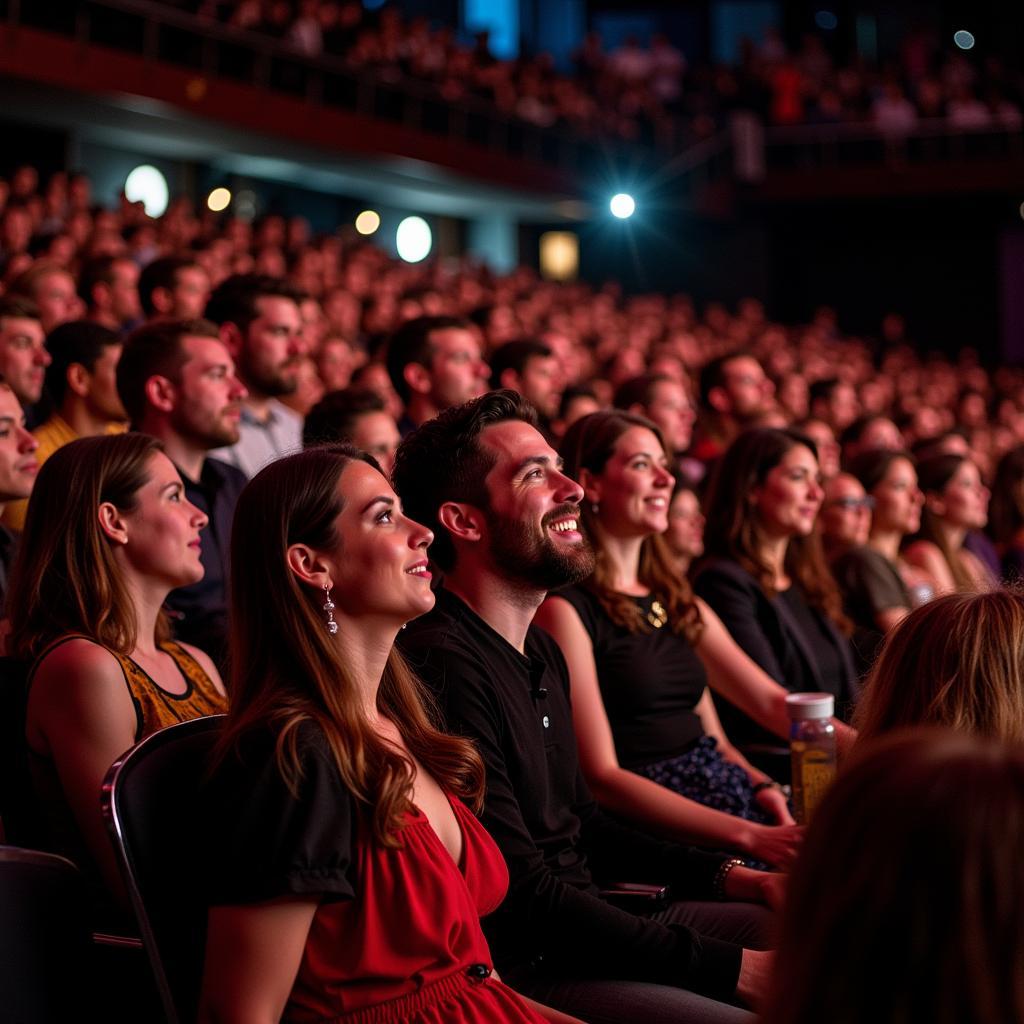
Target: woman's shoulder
(75, 657)
(719, 571)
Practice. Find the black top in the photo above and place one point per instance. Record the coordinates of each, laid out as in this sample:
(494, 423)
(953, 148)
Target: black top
(265, 841)
(650, 683)
(818, 637)
(199, 611)
(9, 542)
(776, 635)
(553, 835)
(870, 584)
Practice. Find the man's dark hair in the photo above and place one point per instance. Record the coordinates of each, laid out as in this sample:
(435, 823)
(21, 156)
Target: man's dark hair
(443, 461)
(515, 355)
(411, 344)
(98, 270)
(80, 341)
(154, 350)
(571, 393)
(712, 374)
(20, 306)
(234, 300)
(822, 390)
(638, 391)
(161, 273)
(333, 418)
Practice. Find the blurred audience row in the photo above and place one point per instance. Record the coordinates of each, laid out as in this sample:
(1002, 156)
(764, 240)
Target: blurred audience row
(637, 91)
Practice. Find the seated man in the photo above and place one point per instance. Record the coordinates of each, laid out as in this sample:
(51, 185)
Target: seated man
(178, 383)
(81, 383)
(505, 519)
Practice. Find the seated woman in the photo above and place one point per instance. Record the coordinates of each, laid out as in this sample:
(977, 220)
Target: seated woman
(921, 838)
(845, 517)
(879, 587)
(955, 503)
(956, 662)
(346, 875)
(685, 533)
(642, 651)
(766, 576)
(108, 534)
(1006, 514)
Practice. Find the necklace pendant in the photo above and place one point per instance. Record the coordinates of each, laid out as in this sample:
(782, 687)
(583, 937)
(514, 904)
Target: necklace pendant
(657, 616)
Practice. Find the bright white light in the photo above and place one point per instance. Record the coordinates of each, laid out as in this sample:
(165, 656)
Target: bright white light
(413, 239)
(964, 39)
(622, 205)
(148, 186)
(367, 222)
(219, 199)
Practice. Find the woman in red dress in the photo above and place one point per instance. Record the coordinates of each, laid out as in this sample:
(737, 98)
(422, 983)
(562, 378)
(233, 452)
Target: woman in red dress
(347, 877)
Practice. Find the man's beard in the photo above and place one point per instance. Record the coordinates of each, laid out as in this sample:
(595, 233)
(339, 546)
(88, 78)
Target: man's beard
(538, 561)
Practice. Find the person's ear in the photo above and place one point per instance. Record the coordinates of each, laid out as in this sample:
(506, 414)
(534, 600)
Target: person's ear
(462, 521)
(718, 399)
(591, 485)
(935, 504)
(77, 378)
(231, 336)
(160, 393)
(417, 376)
(161, 300)
(112, 522)
(509, 379)
(309, 566)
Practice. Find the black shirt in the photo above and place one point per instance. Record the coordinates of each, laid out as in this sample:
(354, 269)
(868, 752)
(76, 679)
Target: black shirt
(199, 611)
(650, 682)
(552, 834)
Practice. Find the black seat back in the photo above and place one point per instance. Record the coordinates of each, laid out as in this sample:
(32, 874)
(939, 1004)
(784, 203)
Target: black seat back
(150, 802)
(45, 942)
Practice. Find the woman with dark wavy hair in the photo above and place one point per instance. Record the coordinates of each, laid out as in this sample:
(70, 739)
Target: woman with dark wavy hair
(347, 876)
(765, 573)
(924, 920)
(642, 652)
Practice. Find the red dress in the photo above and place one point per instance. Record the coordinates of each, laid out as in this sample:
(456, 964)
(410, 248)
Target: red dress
(396, 935)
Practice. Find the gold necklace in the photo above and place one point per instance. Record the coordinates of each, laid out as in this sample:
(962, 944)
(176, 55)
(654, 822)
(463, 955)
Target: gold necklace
(656, 615)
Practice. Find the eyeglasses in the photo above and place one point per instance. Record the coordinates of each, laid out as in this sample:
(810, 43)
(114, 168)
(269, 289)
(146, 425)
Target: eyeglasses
(852, 503)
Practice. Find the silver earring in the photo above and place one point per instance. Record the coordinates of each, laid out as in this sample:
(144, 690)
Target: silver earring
(595, 507)
(332, 626)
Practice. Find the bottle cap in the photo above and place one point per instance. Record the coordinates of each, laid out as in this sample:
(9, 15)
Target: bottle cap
(801, 706)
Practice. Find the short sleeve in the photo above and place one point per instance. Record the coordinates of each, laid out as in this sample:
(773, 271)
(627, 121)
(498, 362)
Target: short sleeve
(269, 842)
(869, 575)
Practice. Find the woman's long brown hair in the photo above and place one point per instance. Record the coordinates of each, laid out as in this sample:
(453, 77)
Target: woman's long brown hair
(732, 532)
(286, 668)
(589, 444)
(65, 578)
(933, 477)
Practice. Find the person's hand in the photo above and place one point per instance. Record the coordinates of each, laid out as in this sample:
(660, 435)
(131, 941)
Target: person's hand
(773, 889)
(767, 887)
(777, 845)
(773, 801)
(755, 974)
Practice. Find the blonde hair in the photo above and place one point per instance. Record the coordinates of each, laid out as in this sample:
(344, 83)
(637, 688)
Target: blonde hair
(958, 662)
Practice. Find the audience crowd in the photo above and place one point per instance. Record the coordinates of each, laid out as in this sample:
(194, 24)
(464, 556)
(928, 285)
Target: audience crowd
(647, 92)
(263, 453)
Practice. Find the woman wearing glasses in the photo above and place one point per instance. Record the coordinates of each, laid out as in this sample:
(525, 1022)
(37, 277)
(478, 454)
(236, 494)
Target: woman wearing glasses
(879, 587)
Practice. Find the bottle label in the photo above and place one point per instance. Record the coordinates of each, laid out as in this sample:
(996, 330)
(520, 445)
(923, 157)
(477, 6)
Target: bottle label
(817, 770)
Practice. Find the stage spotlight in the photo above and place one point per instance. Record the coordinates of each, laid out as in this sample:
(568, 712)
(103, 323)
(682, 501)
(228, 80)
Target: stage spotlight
(964, 39)
(413, 239)
(367, 222)
(148, 186)
(219, 199)
(622, 205)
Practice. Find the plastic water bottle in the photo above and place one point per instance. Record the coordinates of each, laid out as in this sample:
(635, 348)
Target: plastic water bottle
(812, 744)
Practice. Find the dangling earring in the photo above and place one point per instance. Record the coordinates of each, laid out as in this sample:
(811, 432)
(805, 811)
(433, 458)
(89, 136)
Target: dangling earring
(332, 626)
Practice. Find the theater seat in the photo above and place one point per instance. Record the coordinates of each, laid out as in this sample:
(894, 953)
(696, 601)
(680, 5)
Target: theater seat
(149, 802)
(45, 943)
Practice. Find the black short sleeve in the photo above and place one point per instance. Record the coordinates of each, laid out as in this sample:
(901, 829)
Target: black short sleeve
(268, 842)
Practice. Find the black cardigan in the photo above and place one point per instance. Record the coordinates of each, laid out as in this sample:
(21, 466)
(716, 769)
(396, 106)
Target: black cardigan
(769, 633)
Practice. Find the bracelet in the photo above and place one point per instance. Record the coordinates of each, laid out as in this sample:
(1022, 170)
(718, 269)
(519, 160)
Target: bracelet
(724, 869)
(767, 784)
